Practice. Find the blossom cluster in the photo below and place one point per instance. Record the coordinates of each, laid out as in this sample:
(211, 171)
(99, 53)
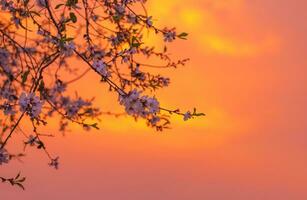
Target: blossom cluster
(61, 42)
(101, 68)
(31, 104)
(138, 105)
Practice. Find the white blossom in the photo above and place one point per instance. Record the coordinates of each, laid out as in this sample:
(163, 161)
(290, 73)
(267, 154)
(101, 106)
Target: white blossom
(32, 140)
(169, 35)
(187, 116)
(30, 104)
(6, 5)
(69, 48)
(101, 68)
(7, 92)
(152, 104)
(54, 163)
(72, 107)
(4, 156)
(154, 120)
(139, 105)
(8, 109)
(149, 22)
(131, 18)
(41, 3)
(120, 10)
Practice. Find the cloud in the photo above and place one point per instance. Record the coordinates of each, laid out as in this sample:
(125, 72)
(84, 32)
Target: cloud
(218, 27)
(235, 47)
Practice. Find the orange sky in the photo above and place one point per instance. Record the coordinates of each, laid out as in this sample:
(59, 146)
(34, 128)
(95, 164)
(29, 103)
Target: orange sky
(247, 73)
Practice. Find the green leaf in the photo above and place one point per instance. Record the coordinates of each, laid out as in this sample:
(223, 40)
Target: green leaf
(73, 17)
(95, 125)
(24, 77)
(22, 179)
(71, 2)
(35, 13)
(20, 185)
(58, 6)
(183, 35)
(17, 176)
(134, 42)
(195, 113)
(69, 39)
(41, 87)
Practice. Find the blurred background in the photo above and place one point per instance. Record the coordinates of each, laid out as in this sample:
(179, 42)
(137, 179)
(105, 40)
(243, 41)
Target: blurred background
(247, 73)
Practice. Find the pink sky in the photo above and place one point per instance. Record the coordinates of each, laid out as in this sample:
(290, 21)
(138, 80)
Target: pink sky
(247, 73)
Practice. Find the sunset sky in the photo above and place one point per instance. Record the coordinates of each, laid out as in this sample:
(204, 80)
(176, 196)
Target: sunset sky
(247, 73)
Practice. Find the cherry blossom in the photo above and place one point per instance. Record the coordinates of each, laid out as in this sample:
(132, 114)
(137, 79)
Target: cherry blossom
(4, 156)
(30, 104)
(54, 163)
(101, 68)
(187, 116)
